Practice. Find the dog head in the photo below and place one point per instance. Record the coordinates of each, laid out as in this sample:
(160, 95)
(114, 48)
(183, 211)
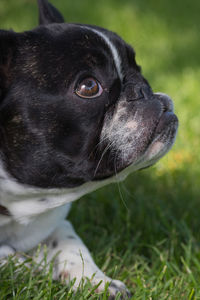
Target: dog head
(75, 107)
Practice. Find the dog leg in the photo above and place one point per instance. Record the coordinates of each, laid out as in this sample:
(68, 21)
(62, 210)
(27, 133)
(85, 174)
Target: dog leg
(73, 260)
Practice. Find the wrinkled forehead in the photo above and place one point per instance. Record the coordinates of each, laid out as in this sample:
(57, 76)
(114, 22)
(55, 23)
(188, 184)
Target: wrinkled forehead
(79, 41)
(61, 52)
(107, 42)
(119, 52)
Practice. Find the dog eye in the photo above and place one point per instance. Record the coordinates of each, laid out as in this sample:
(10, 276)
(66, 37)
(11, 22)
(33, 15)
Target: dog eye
(89, 88)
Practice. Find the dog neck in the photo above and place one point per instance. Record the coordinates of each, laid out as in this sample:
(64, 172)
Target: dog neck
(23, 202)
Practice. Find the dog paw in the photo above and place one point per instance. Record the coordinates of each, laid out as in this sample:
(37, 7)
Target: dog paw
(115, 287)
(5, 251)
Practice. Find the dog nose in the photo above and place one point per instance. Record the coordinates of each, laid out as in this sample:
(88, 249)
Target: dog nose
(136, 87)
(134, 93)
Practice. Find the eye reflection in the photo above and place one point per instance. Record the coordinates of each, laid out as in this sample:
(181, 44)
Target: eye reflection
(89, 88)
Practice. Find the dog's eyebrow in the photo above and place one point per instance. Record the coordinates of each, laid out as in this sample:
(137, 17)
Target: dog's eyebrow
(112, 48)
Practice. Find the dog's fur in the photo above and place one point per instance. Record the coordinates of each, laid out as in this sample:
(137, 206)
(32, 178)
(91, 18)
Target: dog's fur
(74, 111)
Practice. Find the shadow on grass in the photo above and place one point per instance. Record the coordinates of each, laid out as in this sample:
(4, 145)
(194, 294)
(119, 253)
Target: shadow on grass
(147, 209)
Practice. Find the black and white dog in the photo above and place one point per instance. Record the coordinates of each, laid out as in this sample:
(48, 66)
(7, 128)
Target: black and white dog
(74, 111)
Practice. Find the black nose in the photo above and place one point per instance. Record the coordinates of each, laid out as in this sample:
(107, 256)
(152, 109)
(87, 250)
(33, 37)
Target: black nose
(135, 92)
(136, 87)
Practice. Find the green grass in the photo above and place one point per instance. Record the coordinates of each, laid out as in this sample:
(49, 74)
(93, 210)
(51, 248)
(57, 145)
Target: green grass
(144, 231)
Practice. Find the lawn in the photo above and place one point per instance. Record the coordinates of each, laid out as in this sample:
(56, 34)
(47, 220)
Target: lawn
(144, 231)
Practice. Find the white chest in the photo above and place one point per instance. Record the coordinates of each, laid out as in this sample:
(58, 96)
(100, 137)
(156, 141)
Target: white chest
(24, 237)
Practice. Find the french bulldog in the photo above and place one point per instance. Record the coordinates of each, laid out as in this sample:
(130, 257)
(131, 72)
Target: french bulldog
(75, 111)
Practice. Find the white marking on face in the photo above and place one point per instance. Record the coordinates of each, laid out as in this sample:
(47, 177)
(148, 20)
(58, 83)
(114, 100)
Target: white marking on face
(113, 50)
(155, 149)
(133, 125)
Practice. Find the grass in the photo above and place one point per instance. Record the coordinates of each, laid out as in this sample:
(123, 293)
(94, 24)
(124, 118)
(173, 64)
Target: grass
(144, 231)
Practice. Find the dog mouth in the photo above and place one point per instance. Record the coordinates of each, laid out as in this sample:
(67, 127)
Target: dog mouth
(163, 136)
(160, 141)
(167, 124)
(165, 131)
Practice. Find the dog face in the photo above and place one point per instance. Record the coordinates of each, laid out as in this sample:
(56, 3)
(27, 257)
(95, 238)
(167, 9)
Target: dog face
(75, 106)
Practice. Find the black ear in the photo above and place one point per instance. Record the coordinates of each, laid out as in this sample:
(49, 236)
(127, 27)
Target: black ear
(8, 48)
(48, 13)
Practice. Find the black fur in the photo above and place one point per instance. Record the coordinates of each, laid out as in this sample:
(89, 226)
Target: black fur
(48, 14)
(49, 136)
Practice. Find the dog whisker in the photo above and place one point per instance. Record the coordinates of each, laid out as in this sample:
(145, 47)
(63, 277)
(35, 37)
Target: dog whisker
(103, 154)
(119, 189)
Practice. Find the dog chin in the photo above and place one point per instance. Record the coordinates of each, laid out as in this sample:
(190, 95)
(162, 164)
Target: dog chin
(160, 145)
(164, 137)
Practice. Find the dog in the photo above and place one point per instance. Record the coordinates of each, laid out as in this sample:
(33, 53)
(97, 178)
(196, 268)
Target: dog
(75, 111)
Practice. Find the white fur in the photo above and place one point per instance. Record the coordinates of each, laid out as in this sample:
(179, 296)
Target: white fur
(5, 251)
(113, 50)
(24, 202)
(73, 260)
(24, 237)
(34, 221)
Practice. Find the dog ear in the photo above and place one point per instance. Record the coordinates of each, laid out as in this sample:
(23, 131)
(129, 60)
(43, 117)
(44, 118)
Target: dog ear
(48, 13)
(8, 47)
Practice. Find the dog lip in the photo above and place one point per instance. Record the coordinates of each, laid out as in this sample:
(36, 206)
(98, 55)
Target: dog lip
(167, 118)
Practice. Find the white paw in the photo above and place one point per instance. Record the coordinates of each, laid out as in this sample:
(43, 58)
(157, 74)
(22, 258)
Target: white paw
(6, 251)
(115, 286)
